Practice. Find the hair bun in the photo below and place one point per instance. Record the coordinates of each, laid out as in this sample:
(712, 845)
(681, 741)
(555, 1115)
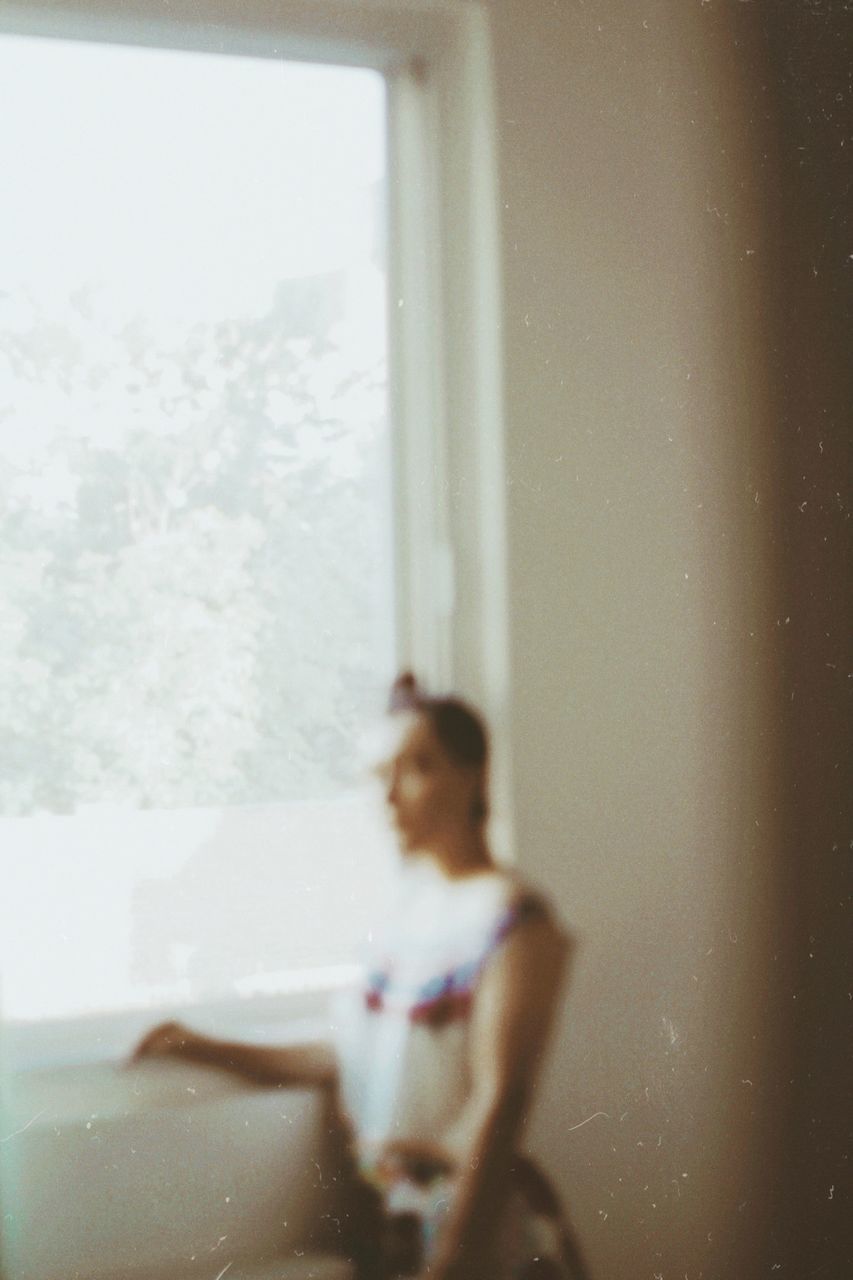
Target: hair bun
(406, 693)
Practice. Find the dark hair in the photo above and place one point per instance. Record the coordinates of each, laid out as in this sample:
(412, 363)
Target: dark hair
(458, 727)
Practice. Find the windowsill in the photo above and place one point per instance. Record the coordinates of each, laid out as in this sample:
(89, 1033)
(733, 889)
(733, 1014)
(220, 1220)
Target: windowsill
(106, 1040)
(74, 1095)
(93, 1154)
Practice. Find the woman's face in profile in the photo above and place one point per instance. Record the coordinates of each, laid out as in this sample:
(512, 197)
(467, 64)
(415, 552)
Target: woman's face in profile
(428, 794)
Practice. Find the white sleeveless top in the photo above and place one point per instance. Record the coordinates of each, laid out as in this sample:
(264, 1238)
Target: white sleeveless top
(402, 1037)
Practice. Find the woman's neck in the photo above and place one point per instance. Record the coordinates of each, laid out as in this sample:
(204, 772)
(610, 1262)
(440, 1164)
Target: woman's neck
(460, 856)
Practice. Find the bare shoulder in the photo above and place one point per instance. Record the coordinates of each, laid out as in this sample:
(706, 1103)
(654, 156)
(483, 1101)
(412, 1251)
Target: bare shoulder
(531, 948)
(520, 989)
(532, 920)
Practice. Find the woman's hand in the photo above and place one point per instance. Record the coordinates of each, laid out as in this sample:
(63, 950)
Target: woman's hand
(167, 1040)
(421, 1160)
(450, 1272)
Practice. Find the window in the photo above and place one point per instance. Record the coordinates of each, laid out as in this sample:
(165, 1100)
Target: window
(197, 592)
(297, 390)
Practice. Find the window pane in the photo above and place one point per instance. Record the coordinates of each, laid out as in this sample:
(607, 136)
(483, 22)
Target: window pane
(196, 614)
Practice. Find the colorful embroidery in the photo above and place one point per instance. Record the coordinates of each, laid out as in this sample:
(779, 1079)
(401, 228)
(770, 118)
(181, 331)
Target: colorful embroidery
(448, 996)
(375, 989)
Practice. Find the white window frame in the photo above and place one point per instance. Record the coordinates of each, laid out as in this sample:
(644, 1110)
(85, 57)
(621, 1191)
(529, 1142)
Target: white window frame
(444, 331)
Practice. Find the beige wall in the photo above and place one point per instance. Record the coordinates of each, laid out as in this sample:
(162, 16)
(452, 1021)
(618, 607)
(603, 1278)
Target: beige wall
(640, 148)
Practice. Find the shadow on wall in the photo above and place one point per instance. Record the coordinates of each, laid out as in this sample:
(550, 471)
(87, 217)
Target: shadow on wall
(810, 53)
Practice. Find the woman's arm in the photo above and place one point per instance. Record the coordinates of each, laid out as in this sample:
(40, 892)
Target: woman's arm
(294, 1065)
(511, 1018)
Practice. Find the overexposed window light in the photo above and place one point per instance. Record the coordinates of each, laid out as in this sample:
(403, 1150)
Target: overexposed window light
(196, 604)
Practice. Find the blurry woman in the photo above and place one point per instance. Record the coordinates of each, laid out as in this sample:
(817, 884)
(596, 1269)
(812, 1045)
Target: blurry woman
(436, 1053)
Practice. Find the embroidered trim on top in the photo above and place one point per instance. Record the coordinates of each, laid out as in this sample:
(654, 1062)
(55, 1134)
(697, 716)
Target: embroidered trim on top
(448, 996)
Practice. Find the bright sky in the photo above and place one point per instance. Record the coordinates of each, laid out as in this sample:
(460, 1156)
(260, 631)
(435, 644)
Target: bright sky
(190, 182)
